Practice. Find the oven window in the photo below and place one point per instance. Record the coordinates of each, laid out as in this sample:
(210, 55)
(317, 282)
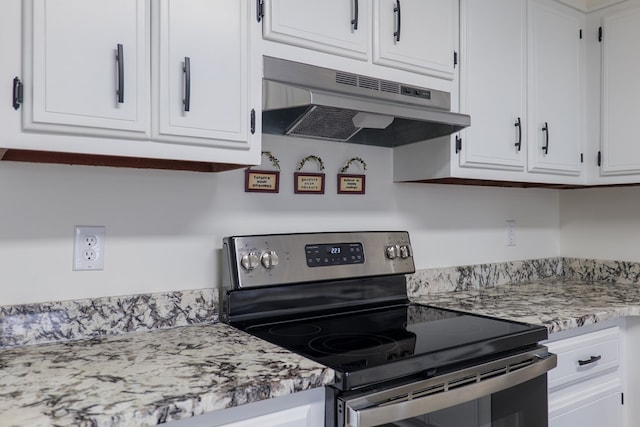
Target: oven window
(524, 405)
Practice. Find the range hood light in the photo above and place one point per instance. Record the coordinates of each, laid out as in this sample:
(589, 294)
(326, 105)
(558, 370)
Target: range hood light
(371, 121)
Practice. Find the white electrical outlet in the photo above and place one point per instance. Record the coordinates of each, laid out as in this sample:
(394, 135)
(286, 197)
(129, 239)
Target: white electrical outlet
(88, 248)
(511, 232)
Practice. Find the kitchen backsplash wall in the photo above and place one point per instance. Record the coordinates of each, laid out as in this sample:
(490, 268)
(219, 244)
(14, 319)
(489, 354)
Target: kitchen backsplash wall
(89, 318)
(436, 280)
(164, 229)
(591, 270)
(601, 223)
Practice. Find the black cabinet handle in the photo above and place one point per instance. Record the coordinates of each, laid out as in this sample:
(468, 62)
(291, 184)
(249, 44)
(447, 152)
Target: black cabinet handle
(592, 359)
(518, 124)
(186, 102)
(354, 21)
(259, 10)
(253, 121)
(17, 93)
(120, 61)
(396, 11)
(545, 147)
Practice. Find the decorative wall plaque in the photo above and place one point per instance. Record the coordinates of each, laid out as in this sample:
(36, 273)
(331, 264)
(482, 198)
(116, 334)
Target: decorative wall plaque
(263, 181)
(352, 183)
(306, 182)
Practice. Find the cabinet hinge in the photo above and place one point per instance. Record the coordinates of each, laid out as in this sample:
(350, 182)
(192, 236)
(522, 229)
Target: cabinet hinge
(600, 34)
(259, 10)
(455, 59)
(581, 34)
(458, 144)
(581, 157)
(253, 121)
(17, 93)
(599, 158)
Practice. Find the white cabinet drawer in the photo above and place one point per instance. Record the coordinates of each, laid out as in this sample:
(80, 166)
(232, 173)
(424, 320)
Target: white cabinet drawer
(584, 356)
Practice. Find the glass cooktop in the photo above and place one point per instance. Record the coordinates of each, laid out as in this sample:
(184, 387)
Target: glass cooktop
(379, 344)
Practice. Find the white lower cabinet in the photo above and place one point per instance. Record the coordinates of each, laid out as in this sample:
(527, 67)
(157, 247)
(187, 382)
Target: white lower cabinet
(302, 409)
(586, 388)
(602, 408)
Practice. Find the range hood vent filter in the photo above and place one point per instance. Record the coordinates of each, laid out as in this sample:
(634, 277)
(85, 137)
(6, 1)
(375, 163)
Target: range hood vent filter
(320, 122)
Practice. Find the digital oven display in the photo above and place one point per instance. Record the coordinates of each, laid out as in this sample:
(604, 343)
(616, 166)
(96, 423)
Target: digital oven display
(334, 254)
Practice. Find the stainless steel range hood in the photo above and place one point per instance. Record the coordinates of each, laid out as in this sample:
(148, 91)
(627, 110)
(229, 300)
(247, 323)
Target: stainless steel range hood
(313, 102)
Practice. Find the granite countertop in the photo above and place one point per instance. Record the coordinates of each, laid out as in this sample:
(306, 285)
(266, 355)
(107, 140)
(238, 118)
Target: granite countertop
(558, 305)
(146, 378)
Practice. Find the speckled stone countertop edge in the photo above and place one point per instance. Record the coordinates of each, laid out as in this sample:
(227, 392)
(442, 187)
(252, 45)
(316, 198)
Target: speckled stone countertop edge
(147, 378)
(559, 305)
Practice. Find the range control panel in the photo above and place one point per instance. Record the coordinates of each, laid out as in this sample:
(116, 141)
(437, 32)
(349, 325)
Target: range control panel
(267, 260)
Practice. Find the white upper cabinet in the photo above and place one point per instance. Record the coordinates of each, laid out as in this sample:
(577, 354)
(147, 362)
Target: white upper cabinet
(416, 35)
(201, 72)
(339, 27)
(89, 66)
(620, 144)
(556, 88)
(494, 86)
(521, 70)
(162, 79)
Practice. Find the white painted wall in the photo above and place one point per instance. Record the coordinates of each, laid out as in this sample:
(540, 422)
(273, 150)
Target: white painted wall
(164, 229)
(602, 223)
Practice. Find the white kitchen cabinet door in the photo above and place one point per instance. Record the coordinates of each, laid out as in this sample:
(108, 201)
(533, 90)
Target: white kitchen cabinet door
(556, 88)
(201, 79)
(605, 411)
(493, 81)
(416, 35)
(74, 80)
(620, 143)
(339, 27)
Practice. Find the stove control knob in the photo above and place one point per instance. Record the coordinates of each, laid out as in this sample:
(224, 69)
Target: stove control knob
(392, 251)
(269, 259)
(405, 252)
(249, 261)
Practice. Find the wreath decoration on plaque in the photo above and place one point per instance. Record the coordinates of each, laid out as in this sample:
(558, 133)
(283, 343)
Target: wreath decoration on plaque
(306, 182)
(263, 181)
(352, 183)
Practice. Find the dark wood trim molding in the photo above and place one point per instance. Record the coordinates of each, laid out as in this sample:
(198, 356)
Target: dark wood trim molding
(112, 161)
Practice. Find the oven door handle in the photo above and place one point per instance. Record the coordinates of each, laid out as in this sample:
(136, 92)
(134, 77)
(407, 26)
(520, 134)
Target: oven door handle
(369, 411)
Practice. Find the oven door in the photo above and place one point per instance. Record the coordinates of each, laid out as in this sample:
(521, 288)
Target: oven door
(508, 392)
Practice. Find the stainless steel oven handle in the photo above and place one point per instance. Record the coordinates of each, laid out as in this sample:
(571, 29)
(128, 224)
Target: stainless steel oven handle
(391, 412)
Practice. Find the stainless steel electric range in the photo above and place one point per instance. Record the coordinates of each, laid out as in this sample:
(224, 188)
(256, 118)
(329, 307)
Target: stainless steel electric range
(340, 299)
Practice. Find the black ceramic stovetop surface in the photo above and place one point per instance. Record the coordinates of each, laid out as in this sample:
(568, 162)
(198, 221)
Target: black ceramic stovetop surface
(378, 344)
